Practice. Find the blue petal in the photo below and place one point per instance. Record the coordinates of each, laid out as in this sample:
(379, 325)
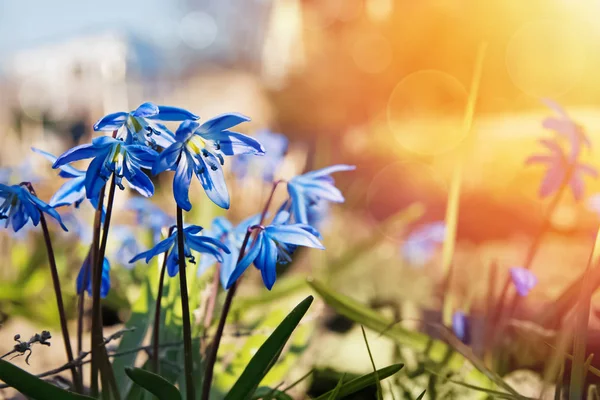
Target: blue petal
(281, 218)
(214, 184)
(19, 218)
(233, 143)
(160, 247)
(181, 183)
(222, 122)
(48, 210)
(245, 262)
(523, 279)
(111, 122)
(173, 262)
(168, 158)
(138, 180)
(228, 265)
(267, 263)
(185, 130)
(168, 113)
(83, 277)
(299, 207)
(66, 171)
(143, 156)
(146, 110)
(329, 170)
(75, 154)
(323, 190)
(95, 177)
(70, 192)
(293, 234)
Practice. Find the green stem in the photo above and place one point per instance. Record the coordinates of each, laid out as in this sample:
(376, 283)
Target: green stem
(81, 311)
(185, 311)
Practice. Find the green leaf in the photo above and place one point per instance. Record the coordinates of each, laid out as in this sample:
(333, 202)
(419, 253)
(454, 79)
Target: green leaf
(435, 350)
(422, 395)
(32, 386)
(493, 393)
(155, 384)
(140, 319)
(362, 382)
(267, 354)
(377, 382)
(266, 393)
(336, 391)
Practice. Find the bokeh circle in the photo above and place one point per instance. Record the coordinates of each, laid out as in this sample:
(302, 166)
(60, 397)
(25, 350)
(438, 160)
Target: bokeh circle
(425, 112)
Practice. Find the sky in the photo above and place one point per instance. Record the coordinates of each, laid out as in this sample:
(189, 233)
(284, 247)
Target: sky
(28, 23)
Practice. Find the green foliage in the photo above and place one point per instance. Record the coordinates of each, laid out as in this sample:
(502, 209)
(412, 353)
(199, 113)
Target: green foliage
(356, 384)
(267, 354)
(155, 384)
(33, 386)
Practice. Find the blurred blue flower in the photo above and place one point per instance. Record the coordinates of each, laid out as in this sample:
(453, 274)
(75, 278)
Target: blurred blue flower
(307, 189)
(275, 145)
(192, 241)
(18, 206)
(78, 226)
(141, 125)
(84, 282)
(127, 244)
(151, 216)
(200, 149)
(558, 165)
(523, 279)
(420, 245)
(566, 127)
(110, 156)
(460, 326)
(273, 245)
(19, 173)
(232, 237)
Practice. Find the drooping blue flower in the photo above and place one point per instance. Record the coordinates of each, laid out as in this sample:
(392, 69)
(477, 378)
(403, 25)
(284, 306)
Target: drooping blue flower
(113, 156)
(192, 241)
(273, 245)
(523, 279)
(200, 149)
(420, 245)
(460, 326)
(150, 215)
(566, 127)
(232, 237)
(275, 145)
(558, 165)
(142, 125)
(71, 192)
(84, 281)
(18, 206)
(307, 189)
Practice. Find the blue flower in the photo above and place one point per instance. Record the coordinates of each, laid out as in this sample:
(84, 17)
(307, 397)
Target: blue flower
(18, 206)
(306, 190)
(141, 125)
(275, 145)
(192, 241)
(73, 191)
(565, 126)
(84, 282)
(150, 215)
(460, 326)
(200, 149)
(19, 173)
(113, 156)
(420, 245)
(523, 279)
(273, 245)
(232, 237)
(558, 165)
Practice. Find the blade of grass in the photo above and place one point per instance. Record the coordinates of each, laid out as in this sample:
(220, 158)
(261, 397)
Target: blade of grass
(378, 383)
(422, 395)
(336, 391)
(362, 382)
(452, 207)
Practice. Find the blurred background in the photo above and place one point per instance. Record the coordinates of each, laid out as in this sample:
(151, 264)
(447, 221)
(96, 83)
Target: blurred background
(382, 84)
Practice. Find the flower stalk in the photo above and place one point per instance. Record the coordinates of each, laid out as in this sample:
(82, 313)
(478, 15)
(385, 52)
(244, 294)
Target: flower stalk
(185, 310)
